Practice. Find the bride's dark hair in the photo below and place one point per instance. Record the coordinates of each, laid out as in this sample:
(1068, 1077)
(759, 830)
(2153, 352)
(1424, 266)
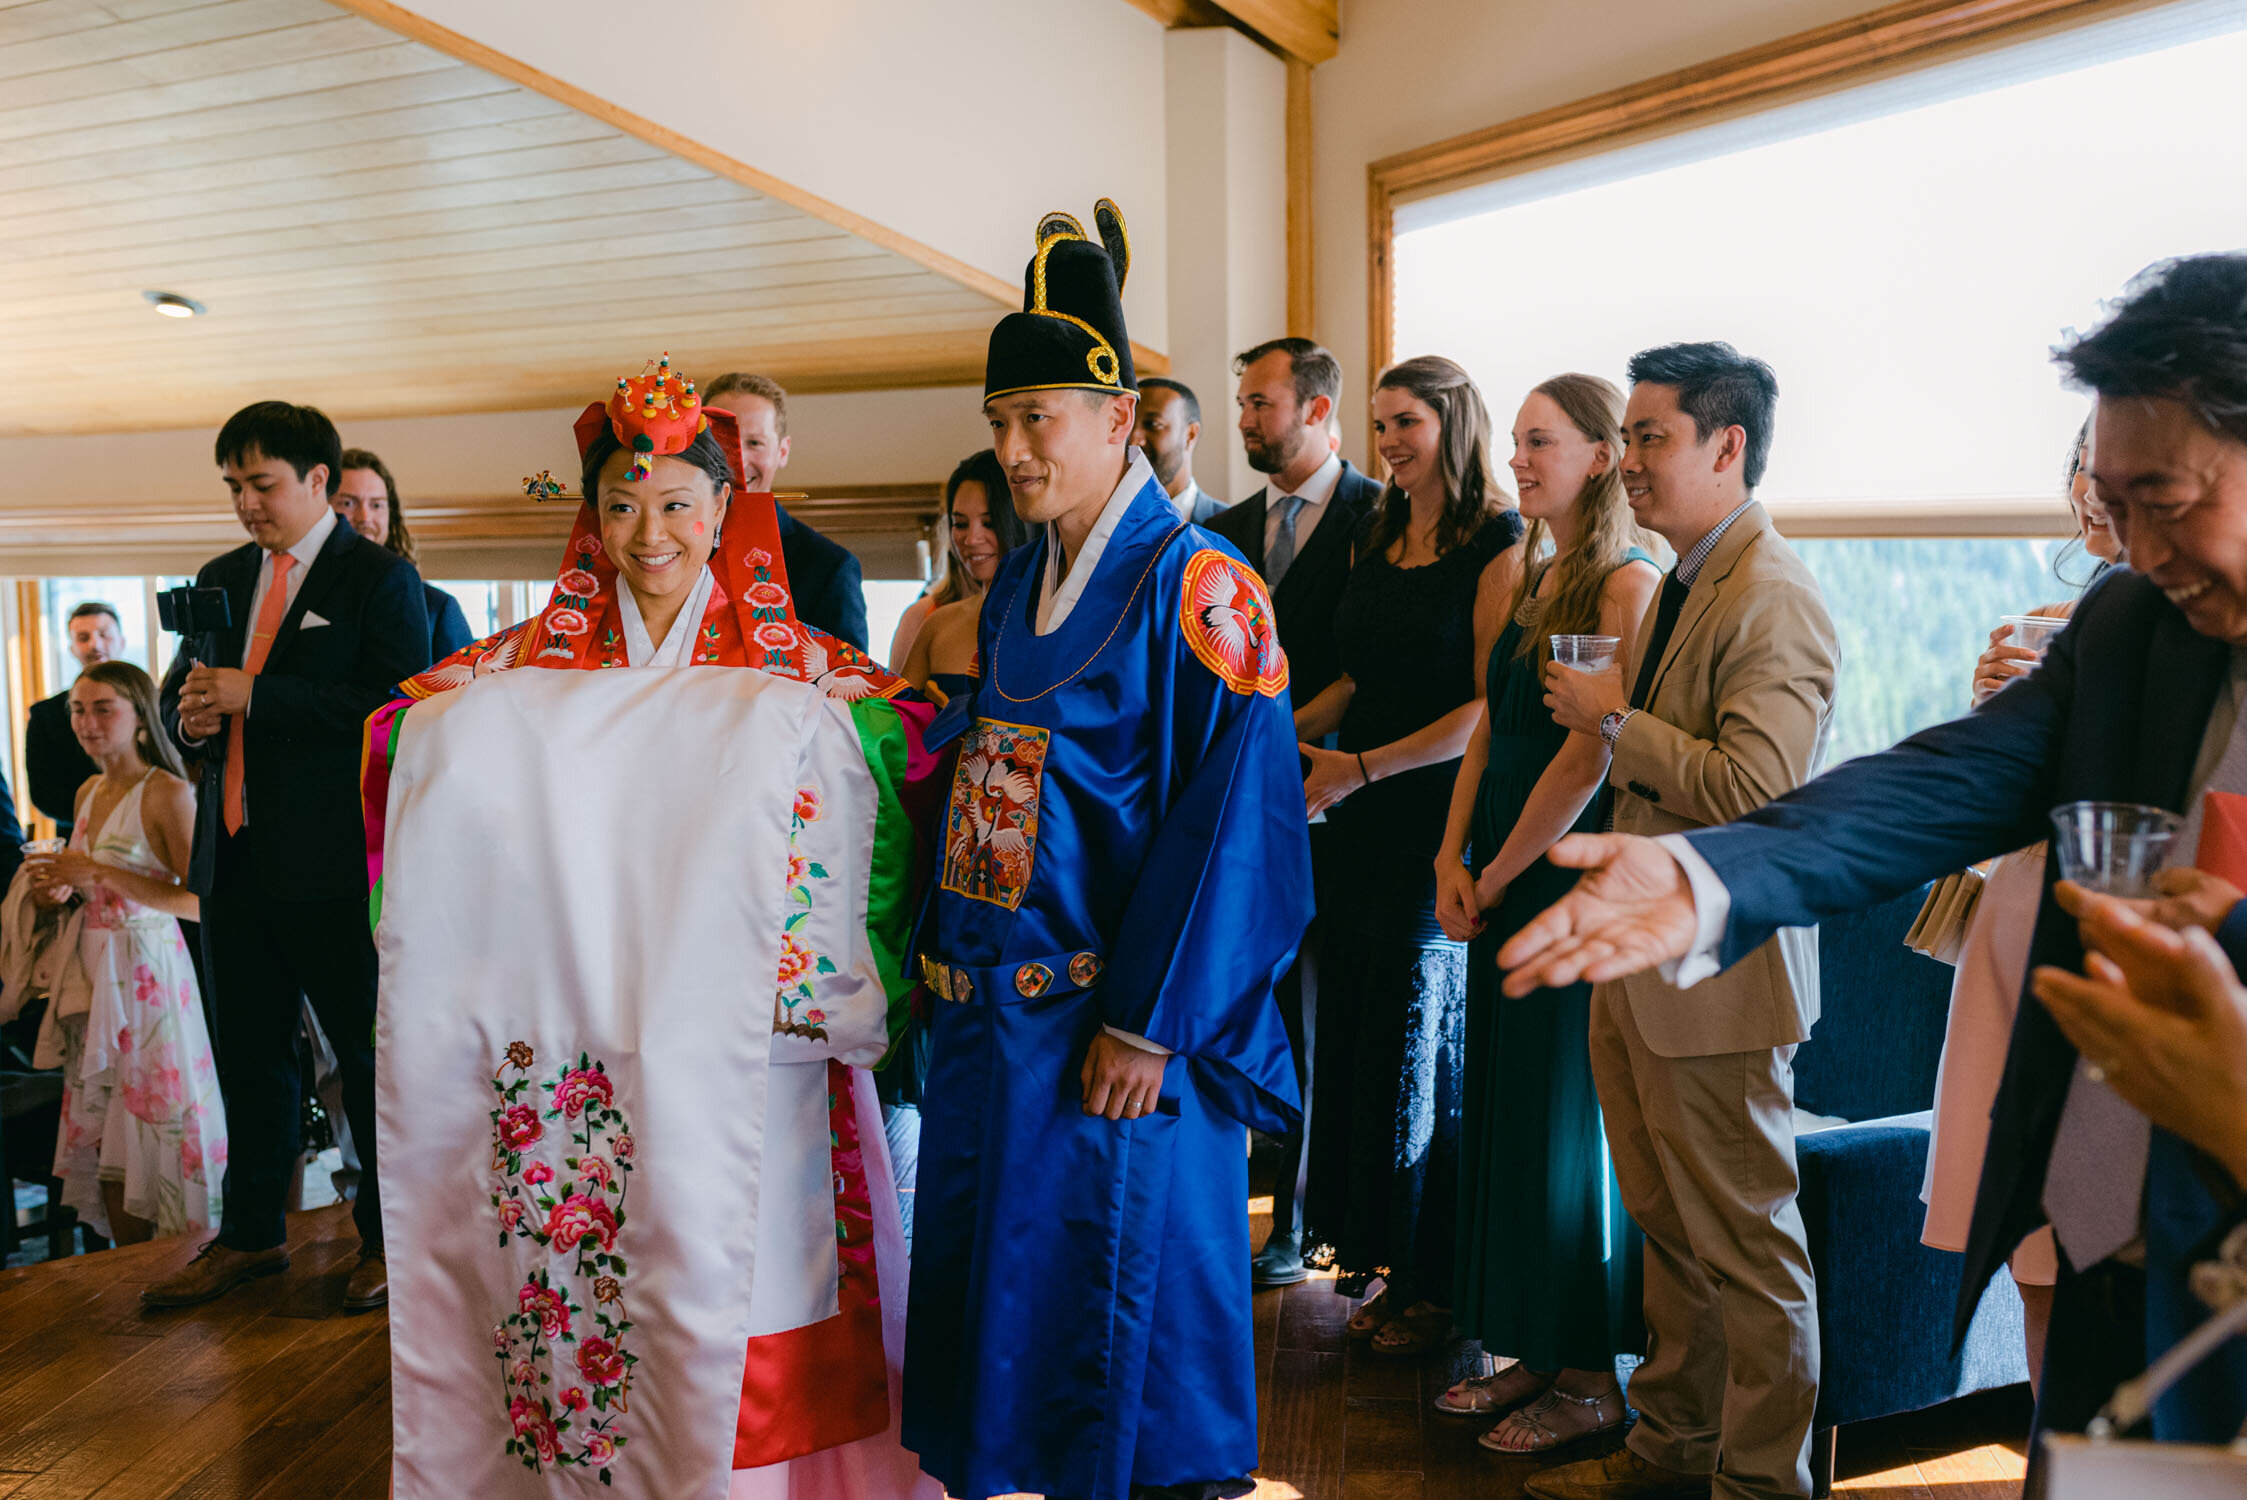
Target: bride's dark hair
(704, 453)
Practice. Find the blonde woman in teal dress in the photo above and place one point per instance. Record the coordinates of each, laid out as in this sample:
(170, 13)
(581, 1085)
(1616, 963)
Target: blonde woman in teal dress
(1548, 1263)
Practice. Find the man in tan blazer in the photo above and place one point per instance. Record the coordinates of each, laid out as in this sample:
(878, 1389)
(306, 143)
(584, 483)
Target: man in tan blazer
(1724, 705)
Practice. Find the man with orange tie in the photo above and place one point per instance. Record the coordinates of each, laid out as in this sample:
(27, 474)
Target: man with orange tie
(324, 623)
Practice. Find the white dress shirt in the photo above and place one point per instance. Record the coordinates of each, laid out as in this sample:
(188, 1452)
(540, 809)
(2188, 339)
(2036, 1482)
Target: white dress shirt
(1315, 492)
(1055, 601)
(677, 649)
(306, 549)
(1189, 502)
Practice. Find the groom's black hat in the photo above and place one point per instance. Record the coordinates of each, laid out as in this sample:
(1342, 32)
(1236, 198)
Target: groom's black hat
(1070, 333)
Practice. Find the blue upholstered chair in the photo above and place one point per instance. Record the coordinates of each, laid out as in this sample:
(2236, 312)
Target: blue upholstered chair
(1884, 1299)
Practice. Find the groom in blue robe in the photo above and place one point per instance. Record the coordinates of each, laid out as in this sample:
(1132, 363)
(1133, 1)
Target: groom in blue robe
(1125, 873)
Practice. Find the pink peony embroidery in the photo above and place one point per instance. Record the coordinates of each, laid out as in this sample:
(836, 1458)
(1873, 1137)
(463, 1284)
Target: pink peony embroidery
(774, 636)
(595, 1169)
(574, 1398)
(580, 1087)
(510, 1213)
(567, 621)
(795, 961)
(537, 1173)
(623, 1146)
(815, 1016)
(766, 595)
(600, 1449)
(577, 1216)
(579, 582)
(599, 1362)
(520, 1127)
(550, 1307)
(501, 1338)
(807, 804)
(799, 868)
(759, 558)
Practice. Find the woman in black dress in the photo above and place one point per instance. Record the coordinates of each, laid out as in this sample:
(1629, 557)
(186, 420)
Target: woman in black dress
(1434, 566)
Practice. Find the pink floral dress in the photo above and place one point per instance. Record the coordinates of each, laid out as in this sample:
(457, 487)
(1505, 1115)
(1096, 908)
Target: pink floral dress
(140, 1100)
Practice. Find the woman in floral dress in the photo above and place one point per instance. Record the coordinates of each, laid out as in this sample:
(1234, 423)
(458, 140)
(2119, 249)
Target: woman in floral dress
(143, 1142)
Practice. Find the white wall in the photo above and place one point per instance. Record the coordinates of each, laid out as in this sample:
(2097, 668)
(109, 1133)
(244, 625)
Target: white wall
(1413, 72)
(955, 123)
(868, 437)
(1226, 103)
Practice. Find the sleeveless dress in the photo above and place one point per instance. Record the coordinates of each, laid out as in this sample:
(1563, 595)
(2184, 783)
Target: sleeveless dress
(140, 1099)
(1549, 1262)
(1384, 1168)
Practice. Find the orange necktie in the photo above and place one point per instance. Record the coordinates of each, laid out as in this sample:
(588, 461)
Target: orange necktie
(269, 611)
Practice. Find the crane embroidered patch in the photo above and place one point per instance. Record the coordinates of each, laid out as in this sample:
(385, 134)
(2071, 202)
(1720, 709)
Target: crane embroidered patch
(1228, 621)
(991, 827)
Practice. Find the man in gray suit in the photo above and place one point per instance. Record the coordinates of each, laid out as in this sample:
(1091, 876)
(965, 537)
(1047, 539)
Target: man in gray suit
(1729, 704)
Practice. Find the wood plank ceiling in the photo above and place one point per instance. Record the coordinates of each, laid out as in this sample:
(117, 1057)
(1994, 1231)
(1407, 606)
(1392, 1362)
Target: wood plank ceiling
(382, 230)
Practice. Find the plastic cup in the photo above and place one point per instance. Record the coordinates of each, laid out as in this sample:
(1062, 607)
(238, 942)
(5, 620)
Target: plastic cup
(44, 846)
(2114, 848)
(2034, 632)
(1587, 653)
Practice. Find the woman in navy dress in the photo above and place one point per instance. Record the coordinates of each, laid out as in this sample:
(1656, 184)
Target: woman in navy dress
(1548, 1269)
(1435, 563)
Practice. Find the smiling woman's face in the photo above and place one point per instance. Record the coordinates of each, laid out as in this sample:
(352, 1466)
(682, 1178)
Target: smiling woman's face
(659, 531)
(972, 537)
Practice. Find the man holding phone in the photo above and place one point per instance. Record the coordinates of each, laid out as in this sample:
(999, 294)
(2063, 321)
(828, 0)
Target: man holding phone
(323, 623)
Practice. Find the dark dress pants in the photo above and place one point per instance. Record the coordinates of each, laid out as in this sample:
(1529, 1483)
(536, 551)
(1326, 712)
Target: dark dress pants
(262, 955)
(1297, 997)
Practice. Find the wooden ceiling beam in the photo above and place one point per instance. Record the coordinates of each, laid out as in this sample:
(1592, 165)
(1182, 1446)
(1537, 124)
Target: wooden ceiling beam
(1307, 31)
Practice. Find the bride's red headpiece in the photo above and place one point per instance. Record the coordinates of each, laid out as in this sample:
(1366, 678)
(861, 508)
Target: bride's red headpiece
(652, 415)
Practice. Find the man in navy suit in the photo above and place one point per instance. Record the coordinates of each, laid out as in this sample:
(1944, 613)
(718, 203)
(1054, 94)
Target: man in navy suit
(1166, 427)
(54, 762)
(2142, 698)
(325, 623)
(1296, 532)
(822, 574)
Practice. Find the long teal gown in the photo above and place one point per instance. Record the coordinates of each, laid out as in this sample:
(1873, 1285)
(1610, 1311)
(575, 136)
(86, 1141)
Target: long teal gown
(1548, 1262)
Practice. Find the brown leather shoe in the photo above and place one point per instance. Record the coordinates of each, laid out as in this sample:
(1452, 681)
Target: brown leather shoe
(215, 1271)
(1621, 1475)
(369, 1286)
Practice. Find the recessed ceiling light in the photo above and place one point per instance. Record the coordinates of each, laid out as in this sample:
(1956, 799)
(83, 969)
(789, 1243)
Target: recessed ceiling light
(173, 305)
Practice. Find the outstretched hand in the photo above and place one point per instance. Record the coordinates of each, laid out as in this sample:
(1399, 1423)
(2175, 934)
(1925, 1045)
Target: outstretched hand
(1631, 910)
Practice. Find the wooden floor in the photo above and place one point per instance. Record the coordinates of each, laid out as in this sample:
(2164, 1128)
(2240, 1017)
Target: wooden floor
(273, 1393)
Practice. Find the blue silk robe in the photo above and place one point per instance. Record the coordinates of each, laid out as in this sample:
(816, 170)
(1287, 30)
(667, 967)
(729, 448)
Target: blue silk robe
(1125, 847)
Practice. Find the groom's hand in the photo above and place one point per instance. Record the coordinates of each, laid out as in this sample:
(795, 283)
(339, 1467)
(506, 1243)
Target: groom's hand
(1121, 1081)
(1630, 911)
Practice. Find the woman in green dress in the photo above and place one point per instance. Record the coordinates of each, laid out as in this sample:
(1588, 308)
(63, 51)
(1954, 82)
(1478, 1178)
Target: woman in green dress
(1548, 1263)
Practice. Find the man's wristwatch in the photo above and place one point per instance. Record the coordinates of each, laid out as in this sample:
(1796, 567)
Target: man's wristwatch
(1611, 725)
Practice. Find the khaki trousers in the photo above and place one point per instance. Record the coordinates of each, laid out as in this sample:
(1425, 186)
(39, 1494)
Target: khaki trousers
(1704, 1153)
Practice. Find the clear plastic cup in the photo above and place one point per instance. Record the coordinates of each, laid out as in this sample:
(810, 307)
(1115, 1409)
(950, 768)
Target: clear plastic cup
(2033, 632)
(44, 846)
(1587, 653)
(2114, 848)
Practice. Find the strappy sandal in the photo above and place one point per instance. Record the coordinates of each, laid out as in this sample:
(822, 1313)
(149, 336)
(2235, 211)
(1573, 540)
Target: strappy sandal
(1543, 1437)
(1487, 1395)
(1420, 1328)
(1371, 1318)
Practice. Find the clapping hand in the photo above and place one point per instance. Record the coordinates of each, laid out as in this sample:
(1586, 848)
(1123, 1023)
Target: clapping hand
(1630, 911)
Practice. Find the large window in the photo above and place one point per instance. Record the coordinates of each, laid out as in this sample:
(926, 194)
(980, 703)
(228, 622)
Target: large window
(1905, 257)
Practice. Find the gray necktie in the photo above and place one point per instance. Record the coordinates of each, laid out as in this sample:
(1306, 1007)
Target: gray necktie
(1282, 552)
(2094, 1190)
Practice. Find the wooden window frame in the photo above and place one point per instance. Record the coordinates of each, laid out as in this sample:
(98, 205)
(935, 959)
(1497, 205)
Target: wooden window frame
(1884, 43)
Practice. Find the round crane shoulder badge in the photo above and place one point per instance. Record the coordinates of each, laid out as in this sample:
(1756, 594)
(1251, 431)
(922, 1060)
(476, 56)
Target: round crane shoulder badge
(1228, 621)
